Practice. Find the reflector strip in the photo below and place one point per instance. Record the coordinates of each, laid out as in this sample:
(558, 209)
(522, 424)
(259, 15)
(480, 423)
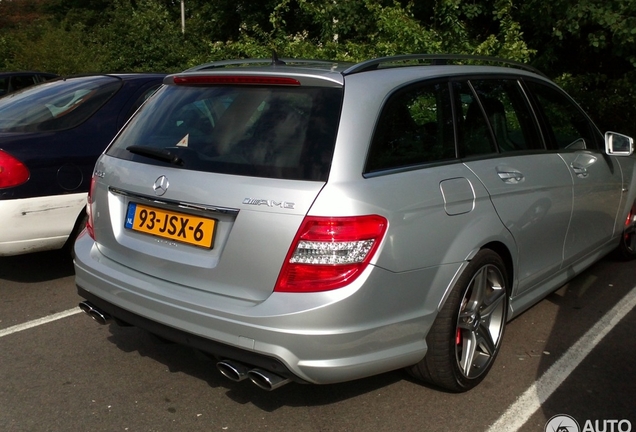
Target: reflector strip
(235, 79)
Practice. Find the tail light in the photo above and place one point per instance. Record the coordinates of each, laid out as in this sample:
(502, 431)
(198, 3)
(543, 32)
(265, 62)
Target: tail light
(12, 171)
(330, 253)
(89, 209)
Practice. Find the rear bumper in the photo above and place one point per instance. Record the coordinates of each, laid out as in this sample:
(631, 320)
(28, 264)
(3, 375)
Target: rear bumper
(317, 338)
(221, 351)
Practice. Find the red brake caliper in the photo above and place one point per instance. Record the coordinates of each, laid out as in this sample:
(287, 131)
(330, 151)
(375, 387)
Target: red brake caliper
(458, 337)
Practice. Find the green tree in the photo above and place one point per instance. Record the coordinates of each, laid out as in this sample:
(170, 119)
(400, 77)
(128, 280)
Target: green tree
(64, 49)
(356, 30)
(588, 47)
(142, 36)
(87, 12)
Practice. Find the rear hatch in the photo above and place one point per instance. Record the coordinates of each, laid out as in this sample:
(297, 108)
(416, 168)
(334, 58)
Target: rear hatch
(208, 184)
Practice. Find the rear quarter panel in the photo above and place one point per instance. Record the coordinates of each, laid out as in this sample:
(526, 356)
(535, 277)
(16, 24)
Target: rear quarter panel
(421, 233)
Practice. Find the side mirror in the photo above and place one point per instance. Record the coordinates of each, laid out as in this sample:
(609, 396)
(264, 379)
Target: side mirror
(618, 145)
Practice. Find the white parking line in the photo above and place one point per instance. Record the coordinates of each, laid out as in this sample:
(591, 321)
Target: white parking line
(530, 401)
(40, 321)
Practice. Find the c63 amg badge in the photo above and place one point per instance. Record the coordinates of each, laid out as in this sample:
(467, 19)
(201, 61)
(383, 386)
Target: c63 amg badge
(269, 203)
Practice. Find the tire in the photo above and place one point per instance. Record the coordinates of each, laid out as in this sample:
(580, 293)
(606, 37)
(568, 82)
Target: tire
(466, 335)
(627, 247)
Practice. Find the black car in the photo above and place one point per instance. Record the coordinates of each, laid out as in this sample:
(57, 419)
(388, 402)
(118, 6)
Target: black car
(13, 81)
(50, 137)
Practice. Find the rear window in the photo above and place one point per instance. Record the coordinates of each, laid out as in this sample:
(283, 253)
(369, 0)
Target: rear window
(275, 132)
(56, 105)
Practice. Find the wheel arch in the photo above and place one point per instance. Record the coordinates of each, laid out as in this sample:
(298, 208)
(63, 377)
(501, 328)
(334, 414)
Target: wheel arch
(500, 249)
(503, 251)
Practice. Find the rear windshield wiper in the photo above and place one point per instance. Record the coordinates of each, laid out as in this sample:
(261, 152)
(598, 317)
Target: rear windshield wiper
(156, 153)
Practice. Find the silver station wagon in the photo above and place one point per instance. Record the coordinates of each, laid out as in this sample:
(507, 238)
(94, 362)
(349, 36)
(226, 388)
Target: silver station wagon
(320, 222)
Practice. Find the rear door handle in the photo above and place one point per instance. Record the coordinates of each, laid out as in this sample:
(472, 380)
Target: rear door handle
(579, 170)
(511, 177)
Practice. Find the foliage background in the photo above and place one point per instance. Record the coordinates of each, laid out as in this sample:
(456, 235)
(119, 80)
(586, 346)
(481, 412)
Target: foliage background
(587, 46)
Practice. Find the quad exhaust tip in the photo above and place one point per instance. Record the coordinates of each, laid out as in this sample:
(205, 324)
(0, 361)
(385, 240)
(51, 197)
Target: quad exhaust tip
(267, 380)
(95, 313)
(230, 369)
(237, 372)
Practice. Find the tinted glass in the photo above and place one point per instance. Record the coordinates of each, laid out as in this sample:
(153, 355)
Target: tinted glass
(415, 127)
(495, 116)
(56, 105)
(22, 81)
(566, 125)
(276, 132)
(474, 133)
(141, 99)
(4, 85)
(509, 114)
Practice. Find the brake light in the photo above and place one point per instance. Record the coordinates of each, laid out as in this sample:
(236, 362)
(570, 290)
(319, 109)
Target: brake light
(89, 208)
(12, 171)
(330, 253)
(234, 80)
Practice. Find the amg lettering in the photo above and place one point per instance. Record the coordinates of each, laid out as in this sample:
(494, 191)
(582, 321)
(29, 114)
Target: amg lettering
(269, 203)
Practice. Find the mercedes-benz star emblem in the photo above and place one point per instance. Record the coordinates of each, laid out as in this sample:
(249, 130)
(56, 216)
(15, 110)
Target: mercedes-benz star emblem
(161, 185)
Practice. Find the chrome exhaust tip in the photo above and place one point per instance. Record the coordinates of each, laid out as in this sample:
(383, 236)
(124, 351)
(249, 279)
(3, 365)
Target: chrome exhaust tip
(267, 380)
(96, 314)
(232, 370)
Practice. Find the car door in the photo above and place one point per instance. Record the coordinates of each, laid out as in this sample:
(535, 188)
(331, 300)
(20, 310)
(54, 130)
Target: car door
(531, 188)
(597, 177)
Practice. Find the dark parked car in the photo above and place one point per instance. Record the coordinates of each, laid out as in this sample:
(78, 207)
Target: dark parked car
(50, 137)
(13, 81)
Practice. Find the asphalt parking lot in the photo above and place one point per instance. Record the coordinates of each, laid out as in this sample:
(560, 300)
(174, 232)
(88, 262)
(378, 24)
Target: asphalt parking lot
(572, 354)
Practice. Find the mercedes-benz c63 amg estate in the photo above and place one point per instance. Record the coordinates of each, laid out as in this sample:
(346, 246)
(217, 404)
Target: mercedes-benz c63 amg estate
(319, 222)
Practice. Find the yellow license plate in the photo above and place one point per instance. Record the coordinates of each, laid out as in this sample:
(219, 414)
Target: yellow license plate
(171, 225)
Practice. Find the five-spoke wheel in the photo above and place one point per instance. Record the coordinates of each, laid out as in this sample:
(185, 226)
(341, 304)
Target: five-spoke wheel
(466, 335)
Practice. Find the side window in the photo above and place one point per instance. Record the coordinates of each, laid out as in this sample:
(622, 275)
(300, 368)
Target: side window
(566, 125)
(414, 127)
(4, 86)
(474, 135)
(509, 114)
(22, 81)
(503, 107)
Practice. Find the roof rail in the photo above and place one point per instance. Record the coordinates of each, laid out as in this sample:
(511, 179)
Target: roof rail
(264, 62)
(434, 59)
